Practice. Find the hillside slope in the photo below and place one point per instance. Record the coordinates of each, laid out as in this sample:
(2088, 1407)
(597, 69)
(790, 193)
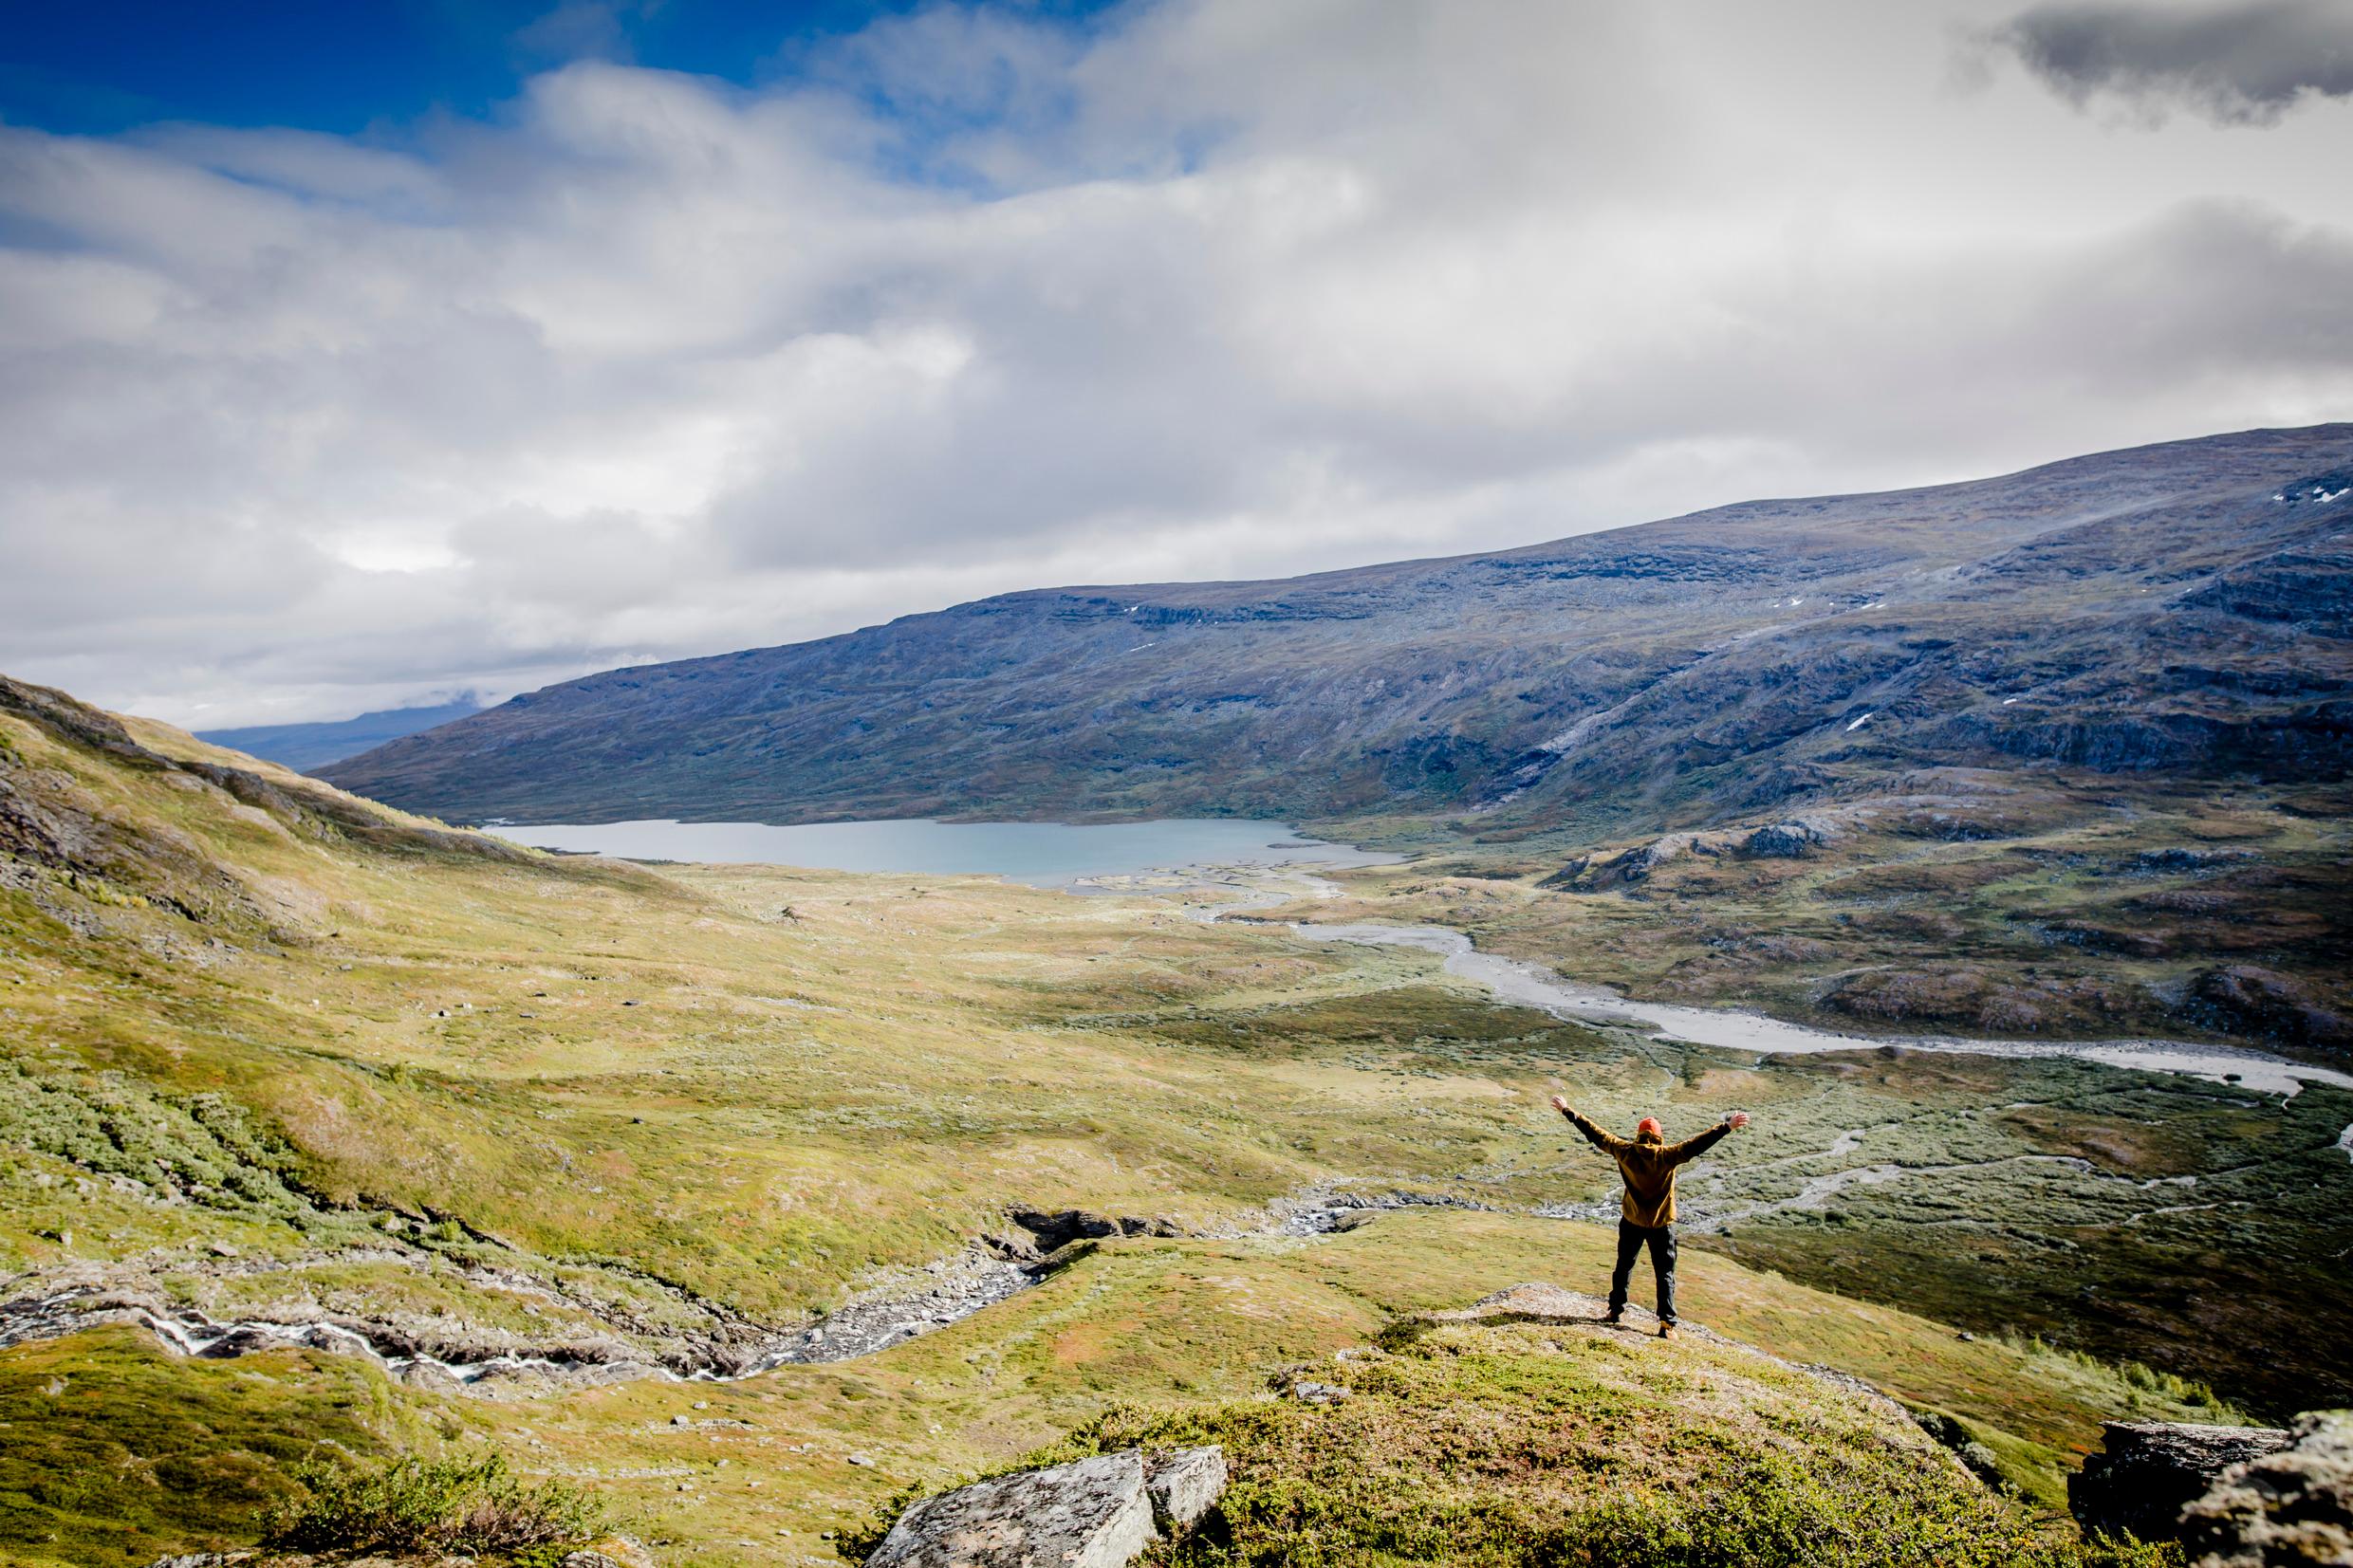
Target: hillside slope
(385, 1101)
(2182, 609)
(1523, 1432)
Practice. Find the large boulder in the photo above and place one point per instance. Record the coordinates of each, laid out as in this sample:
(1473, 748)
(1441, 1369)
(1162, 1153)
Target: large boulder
(2292, 1507)
(1790, 840)
(2149, 1471)
(1091, 1513)
(1628, 868)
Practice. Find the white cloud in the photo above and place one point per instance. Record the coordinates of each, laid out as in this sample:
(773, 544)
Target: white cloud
(648, 365)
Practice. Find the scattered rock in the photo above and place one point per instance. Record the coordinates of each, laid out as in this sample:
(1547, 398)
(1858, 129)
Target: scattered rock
(1790, 840)
(2162, 862)
(611, 1551)
(1309, 1392)
(2294, 1507)
(1590, 874)
(2245, 999)
(433, 1377)
(1020, 1249)
(2149, 1471)
(1092, 1513)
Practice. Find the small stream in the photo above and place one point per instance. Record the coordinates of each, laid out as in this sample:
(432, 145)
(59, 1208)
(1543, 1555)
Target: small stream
(1532, 986)
(1527, 985)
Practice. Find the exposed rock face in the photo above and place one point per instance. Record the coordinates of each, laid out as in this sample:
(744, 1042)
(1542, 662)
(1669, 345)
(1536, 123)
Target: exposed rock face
(1092, 1513)
(1789, 841)
(1184, 1485)
(1625, 869)
(2290, 1507)
(2243, 997)
(1309, 1392)
(1059, 1229)
(2148, 1472)
(1975, 1456)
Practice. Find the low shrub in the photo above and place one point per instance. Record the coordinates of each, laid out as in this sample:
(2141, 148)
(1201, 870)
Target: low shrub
(420, 1505)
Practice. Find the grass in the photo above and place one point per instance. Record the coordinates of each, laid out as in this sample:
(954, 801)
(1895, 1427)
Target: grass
(556, 1099)
(113, 1452)
(1479, 1444)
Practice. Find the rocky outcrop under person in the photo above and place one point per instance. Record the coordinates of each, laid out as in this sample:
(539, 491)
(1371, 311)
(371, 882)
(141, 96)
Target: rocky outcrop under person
(2292, 1507)
(1091, 1513)
(2149, 1471)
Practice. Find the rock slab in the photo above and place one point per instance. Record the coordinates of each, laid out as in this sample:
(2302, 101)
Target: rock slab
(1092, 1513)
(1184, 1484)
(2287, 1509)
(2149, 1471)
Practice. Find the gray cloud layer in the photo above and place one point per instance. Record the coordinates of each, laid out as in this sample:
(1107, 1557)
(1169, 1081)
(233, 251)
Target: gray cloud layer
(2245, 62)
(293, 426)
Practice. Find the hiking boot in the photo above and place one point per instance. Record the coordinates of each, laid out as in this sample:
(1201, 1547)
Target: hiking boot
(1666, 1331)
(1613, 1320)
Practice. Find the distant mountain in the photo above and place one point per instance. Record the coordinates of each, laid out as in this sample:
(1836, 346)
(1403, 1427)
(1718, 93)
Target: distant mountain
(2169, 613)
(304, 746)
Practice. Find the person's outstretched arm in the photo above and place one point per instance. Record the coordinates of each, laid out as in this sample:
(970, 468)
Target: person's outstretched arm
(1609, 1143)
(1694, 1147)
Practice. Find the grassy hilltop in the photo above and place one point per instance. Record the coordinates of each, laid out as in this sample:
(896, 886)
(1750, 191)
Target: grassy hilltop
(275, 1052)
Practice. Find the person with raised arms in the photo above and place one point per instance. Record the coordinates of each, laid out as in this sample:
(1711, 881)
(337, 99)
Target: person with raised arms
(1646, 1214)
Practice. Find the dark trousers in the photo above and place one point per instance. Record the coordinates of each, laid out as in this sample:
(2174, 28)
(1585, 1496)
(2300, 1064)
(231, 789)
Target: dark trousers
(1631, 1238)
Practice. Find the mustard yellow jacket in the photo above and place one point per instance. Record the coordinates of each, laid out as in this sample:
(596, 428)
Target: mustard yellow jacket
(1647, 1162)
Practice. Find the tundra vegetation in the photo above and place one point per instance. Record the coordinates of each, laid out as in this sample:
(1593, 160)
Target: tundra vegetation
(274, 1053)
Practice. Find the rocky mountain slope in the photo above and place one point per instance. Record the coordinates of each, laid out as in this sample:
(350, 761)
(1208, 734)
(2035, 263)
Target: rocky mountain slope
(2183, 611)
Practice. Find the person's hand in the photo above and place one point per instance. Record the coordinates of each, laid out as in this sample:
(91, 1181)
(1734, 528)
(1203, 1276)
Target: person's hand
(1737, 1120)
(1559, 1105)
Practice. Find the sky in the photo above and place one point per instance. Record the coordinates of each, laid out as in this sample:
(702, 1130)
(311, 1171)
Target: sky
(356, 355)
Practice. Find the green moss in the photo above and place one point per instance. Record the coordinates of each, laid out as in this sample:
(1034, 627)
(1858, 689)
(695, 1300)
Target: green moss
(114, 1451)
(1542, 1445)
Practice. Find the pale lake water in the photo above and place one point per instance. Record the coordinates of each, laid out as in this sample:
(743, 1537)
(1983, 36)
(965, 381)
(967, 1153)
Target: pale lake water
(1044, 854)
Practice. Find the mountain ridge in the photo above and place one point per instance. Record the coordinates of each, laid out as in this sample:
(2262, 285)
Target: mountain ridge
(319, 743)
(1992, 622)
